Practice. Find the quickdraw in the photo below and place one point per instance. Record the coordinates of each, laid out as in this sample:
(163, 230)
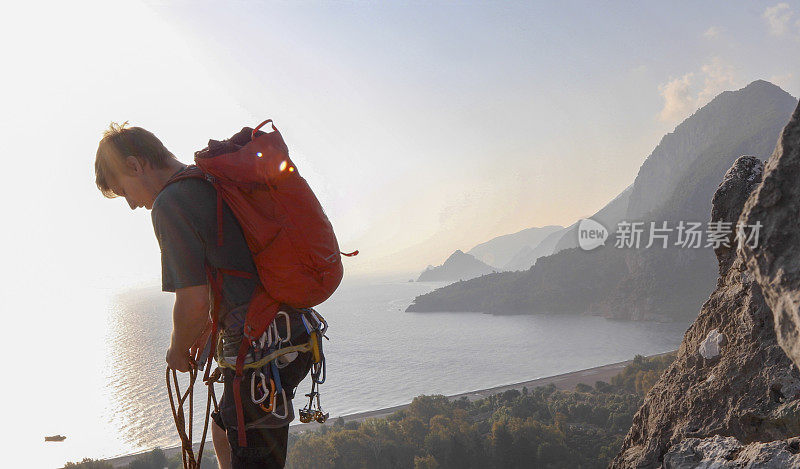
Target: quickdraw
(316, 332)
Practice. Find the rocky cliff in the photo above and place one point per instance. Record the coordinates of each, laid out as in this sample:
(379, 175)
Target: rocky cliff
(775, 259)
(732, 396)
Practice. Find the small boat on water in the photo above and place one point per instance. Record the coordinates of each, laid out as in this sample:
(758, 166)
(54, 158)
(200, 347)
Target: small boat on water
(55, 438)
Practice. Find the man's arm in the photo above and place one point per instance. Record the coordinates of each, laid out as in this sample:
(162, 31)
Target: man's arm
(189, 319)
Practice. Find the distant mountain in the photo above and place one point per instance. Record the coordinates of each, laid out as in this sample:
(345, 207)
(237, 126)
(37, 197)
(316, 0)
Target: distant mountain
(608, 216)
(567, 238)
(459, 266)
(500, 250)
(526, 257)
(730, 120)
(684, 170)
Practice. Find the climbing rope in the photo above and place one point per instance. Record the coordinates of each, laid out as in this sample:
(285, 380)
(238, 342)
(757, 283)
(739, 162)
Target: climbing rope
(184, 432)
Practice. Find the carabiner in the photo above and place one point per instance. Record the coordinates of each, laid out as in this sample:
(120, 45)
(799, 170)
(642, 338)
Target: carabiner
(270, 336)
(308, 327)
(280, 339)
(317, 369)
(285, 406)
(263, 386)
(322, 322)
(271, 399)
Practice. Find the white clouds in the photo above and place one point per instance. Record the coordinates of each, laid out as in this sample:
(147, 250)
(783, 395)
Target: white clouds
(678, 99)
(712, 32)
(682, 96)
(778, 18)
(718, 77)
(785, 80)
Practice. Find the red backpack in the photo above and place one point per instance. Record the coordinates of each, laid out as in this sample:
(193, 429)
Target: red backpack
(291, 239)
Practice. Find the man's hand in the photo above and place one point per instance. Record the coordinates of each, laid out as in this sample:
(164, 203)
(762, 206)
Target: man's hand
(189, 319)
(178, 359)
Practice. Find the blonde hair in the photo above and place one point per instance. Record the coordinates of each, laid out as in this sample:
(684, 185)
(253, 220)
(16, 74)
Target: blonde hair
(120, 141)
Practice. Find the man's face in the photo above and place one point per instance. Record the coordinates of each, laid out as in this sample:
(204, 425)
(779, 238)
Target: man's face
(135, 187)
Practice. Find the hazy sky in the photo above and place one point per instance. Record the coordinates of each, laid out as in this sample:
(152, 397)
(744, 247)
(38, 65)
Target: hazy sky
(423, 127)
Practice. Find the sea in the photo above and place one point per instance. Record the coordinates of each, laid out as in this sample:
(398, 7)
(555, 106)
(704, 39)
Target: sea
(105, 390)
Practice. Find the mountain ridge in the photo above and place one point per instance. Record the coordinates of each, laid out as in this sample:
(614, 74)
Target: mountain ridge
(499, 250)
(653, 284)
(458, 266)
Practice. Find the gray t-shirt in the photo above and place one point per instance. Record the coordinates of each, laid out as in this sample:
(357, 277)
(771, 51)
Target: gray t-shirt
(185, 222)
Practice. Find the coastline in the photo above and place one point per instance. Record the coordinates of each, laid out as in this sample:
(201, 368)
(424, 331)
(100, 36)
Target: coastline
(564, 381)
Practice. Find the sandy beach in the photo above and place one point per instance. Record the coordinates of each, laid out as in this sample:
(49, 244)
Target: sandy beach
(565, 381)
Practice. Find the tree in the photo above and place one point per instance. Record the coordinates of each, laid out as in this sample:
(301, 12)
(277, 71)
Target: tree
(425, 462)
(311, 451)
(155, 459)
(88, 463)
(502, 444)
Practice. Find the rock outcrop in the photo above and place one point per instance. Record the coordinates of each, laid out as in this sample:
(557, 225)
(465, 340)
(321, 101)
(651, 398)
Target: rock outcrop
(720, 452)
(730, 377)
(775, 258)
(737, 185)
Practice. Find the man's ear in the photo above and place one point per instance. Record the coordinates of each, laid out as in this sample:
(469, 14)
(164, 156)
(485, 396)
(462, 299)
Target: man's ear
(134, 165)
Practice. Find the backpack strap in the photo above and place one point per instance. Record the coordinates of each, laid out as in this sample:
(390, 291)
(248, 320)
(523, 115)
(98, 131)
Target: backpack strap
(215, 281)
(192, 171)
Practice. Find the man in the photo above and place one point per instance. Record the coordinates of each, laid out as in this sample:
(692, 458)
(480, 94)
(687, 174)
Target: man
(133, 163)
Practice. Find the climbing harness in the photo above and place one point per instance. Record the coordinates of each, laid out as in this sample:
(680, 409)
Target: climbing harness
(266, 390)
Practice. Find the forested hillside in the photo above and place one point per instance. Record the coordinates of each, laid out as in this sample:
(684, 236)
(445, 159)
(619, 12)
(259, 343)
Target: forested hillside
(542, 427)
